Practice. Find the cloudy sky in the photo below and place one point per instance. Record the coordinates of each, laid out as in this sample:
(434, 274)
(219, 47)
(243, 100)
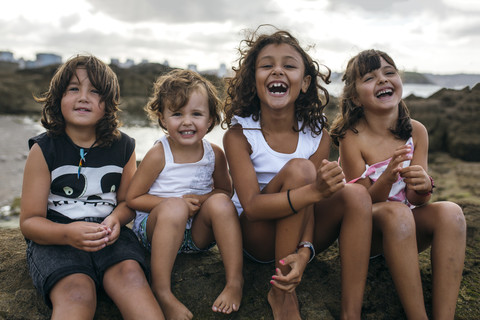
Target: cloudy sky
(435, 36)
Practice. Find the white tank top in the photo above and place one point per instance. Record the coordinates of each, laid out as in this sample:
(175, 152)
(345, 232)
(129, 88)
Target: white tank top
(178, 179)
(266, 161)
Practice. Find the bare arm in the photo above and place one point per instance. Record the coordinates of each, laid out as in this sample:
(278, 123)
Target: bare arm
(415, 176)
(137, 196)
(354, 164)
(257, 205)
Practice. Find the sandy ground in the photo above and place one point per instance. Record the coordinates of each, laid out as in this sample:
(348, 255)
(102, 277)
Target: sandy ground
(15, 131)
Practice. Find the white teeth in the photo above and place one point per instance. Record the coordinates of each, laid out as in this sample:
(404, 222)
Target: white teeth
(385, 91)
(187, 132)
(277, 84)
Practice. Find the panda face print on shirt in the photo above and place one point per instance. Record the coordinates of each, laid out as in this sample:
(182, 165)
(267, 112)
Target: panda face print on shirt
(90, 194)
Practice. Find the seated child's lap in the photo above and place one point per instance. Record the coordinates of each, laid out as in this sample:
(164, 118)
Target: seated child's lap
(50, 263)
(187, 246)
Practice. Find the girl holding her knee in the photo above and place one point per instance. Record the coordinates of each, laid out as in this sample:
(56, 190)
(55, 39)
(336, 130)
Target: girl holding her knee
(386, 151)
(73, 210)
(291, 200)
(182, 191)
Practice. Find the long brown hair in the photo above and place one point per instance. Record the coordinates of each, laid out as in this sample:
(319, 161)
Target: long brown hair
(349, 113)
(242, 99)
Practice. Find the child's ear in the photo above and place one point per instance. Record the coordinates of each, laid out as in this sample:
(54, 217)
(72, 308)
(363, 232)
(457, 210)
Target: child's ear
(356, 101)
(306, 83)
(161, 119)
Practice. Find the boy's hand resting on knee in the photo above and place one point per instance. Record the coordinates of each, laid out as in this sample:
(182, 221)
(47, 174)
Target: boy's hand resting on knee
(87, 236)
(330, 178)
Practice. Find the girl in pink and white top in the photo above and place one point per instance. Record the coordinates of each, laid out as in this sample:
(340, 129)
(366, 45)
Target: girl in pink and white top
(385, 150)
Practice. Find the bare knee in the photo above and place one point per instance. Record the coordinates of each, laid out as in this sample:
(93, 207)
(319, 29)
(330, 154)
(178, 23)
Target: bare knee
(357, 200)
(395, 219)
(127, 273)
(173, 211)
(74, 290)
(450, 215)
(300, 172)
(219, 204)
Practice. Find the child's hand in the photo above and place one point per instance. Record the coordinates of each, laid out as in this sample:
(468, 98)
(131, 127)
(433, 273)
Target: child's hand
(291, 280)
(193, 204)
(416, 178)
(113, 225)
(87, 236)
(400, 155)
(330, 178)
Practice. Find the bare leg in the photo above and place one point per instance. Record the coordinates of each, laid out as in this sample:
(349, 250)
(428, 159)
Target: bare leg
(348, 215)
(218, 220)
(443, 225)
(394, 235)
(74, 297)
(288, 233)
(165, 227)
(125, 280)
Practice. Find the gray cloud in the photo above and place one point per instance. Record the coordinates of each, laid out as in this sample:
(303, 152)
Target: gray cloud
(400, 7)
(183, 11)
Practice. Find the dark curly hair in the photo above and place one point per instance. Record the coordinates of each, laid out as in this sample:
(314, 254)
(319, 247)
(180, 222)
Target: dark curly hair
(349, 114)
(173, 91)
(102, 78)
(242, 99)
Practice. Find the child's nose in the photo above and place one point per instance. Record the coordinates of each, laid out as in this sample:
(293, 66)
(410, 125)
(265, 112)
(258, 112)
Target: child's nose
(277, 70)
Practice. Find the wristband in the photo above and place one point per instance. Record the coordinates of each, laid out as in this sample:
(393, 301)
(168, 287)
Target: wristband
(290, 202)
(307, 244)
(429, 192)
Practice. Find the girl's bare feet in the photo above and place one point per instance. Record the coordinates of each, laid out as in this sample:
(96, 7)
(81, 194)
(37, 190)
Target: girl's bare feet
(284, 305)
(229, 299)
(172, 308)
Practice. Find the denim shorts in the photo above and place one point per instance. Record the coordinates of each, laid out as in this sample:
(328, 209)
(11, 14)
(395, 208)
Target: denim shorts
(187, 246)
(50, 263)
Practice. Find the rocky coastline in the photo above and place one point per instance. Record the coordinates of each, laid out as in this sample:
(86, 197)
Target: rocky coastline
(452, 118)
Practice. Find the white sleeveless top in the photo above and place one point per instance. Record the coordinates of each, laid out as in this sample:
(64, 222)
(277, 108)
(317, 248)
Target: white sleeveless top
(266, 161)
(178, 179)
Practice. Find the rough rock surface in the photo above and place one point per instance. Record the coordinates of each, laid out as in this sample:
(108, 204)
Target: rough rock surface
(198, 279)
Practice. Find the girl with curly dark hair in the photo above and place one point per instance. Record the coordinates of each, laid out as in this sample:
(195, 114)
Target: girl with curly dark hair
(291, 200)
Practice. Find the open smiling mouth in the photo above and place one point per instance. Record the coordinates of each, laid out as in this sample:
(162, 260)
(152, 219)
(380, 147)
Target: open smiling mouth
(277, 88)
(384, 93)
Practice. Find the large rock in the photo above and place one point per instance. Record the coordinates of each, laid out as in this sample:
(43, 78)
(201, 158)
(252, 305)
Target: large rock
(198, 279)
(452, 118)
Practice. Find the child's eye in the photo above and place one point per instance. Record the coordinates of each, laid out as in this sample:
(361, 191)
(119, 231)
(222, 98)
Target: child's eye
(266, 66)
(289, 66)
(72, 89)
(176, 114)
(96, 91)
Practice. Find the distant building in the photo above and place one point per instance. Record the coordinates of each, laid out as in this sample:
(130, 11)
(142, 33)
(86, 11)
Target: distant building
(220, 72)
(47, 59)
(6, 56)
(192, 67)
(127, 64)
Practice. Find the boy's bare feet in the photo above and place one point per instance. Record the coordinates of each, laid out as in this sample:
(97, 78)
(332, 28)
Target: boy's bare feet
(229, 299)
(172, 308)
(284, 305)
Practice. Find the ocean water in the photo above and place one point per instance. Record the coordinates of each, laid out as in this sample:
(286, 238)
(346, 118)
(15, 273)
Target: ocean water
(145, 136)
